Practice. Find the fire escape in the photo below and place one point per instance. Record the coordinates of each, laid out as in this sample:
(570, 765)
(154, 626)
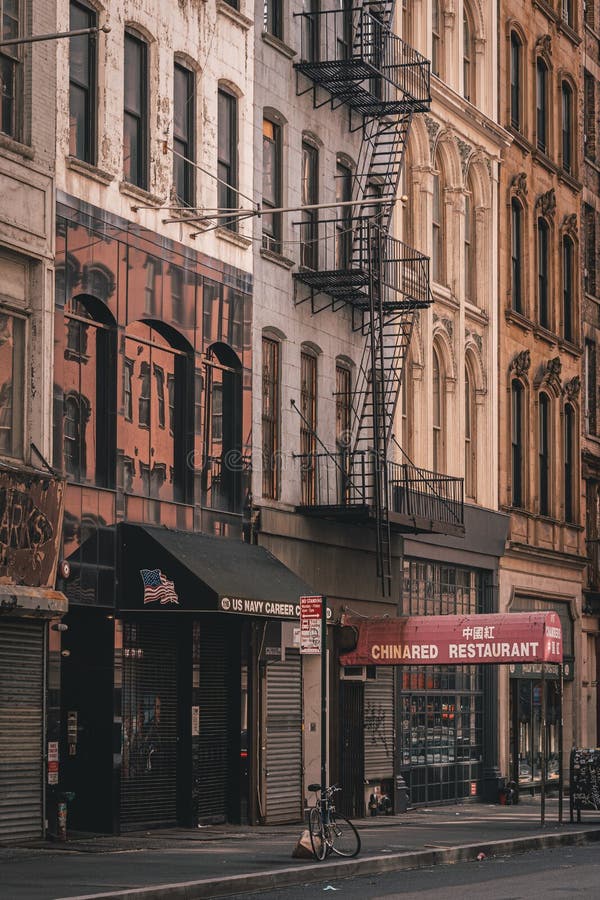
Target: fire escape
(351, 57)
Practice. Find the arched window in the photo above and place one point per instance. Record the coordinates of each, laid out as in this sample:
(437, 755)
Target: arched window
(541, 104)
(309, 247)
(469, 246)
(227, 154)
(407, 205)
(470, 437)
(436, 39)
(158, 402)
(543, 258)
(516, 56)
(544, 455)
(567, 127)
(272, 182)
(568, 267)
(438, 421)
(343, 193)
(569, 462)
(184, 128)
(517, 443)
(516, 229)
(437, 224)
(468, 57)
(89, 388)
(223, 464)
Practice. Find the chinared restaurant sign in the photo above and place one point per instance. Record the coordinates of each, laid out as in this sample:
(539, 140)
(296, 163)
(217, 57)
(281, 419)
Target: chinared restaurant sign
(453, 640)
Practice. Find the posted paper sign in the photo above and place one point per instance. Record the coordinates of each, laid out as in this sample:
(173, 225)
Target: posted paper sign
(311, 612)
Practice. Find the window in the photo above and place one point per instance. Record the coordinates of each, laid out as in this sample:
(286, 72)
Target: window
(569, 462)
(437, 247)
(470, 443)
(273, 18)
(516, 255)
(144, 397)
(436, 38)
(541, 101)
(233, 3)
(309, 246)
(159, 377)
(589, 232)
(135, 124)
(343, 407)
(588, 11)
(515, 80)
(73, 438)
(128, 365)
(470, 255)
(567, 127)
(309, 50)
(82, 85)
(272, 180)
(591, 390)
(544, 455)
(270, 418)
(183, 134)
(517, 447)
(568, 12)
(227, 166)
(343, 29)
(468, 58)
(308, 426)
(589, 115)
(10, 74)
(568, 264)
(439, 395)
(12, 388)
(406, 22)
(543, 273)
(223, 469)
(343, 239)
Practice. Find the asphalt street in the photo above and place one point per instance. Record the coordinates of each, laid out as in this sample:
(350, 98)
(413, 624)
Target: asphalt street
(566, 872)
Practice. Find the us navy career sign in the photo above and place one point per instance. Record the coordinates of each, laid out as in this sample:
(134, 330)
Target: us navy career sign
(448, 640)
(268, 608)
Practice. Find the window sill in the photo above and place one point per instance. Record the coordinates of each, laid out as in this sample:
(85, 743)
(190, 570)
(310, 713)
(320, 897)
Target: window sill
(543, 334)
(277, 258)
(234, 15)
(87, 169)
(570, 180)
(568, 32)
(591, 161)
(232, 237)
(517, 318)
(23, 150)
(520, 139)
(548, 11)
(544, 160)
(279, 45)
(570, 347)
(138, 193)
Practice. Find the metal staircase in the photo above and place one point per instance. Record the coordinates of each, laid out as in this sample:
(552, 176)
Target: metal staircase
(383, 82)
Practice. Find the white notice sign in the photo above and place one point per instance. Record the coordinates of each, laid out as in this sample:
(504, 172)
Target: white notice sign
(311, 611)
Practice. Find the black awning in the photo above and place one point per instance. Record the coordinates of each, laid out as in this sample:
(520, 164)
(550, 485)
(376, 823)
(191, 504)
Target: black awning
(208, 573)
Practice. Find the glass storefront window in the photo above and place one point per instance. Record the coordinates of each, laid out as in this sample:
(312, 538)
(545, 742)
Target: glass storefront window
(526, 730)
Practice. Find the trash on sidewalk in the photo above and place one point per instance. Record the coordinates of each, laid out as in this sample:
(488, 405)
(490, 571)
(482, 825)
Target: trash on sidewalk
(303, 848)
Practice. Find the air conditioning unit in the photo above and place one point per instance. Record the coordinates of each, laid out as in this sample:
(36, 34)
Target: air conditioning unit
(358, 673)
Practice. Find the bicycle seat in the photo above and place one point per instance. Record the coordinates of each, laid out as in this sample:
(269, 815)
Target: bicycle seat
(314, 787)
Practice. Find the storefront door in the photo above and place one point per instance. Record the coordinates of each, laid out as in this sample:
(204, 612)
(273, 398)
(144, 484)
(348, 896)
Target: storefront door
(526, 733)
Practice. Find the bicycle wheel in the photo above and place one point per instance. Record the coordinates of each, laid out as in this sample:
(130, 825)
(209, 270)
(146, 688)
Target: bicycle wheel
(345, 839)
(317, 834)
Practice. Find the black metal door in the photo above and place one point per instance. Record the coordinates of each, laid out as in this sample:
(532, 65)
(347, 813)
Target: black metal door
(149, 750)
(351, 800)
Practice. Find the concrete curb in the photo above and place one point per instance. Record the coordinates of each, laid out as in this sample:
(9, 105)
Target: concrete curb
(314, 872)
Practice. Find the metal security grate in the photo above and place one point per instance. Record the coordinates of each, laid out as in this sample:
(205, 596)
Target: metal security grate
(284, 739)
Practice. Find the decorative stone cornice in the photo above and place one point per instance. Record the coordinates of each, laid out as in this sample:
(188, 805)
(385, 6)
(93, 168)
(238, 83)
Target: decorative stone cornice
(433, 129)
(519, 185)
(550, 375)
(544, 44)
(569, 226)
(572, 387)
(546, 204)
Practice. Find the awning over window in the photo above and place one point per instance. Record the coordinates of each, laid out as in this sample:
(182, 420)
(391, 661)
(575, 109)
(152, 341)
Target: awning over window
(452, 640)
(180, 570)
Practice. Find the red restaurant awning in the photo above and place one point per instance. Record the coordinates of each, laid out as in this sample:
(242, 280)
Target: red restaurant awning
(454, 640)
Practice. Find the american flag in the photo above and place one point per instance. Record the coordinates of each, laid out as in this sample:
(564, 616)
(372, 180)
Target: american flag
(158, 587)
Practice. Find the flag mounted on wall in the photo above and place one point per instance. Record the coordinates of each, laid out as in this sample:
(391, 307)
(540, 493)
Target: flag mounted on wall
(158, 587)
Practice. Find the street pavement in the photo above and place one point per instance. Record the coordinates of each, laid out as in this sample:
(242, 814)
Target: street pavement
(217, 861)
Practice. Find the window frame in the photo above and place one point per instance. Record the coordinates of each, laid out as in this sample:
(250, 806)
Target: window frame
(470, 435)
(568, 286)
(309, 374)
(89, 89)
(273, 18)
(570, 463)
(468, 56)
(271, 417)
(438, 269)
(18, 409)
(436, 39)
(516, 239)
(140, 119)
(309, 194)
(12, 58)
(184, 143)
(590, 387)
(470, 246)
(227, 165)
(543, 273)
(517, 426)
(343, 224)
(544, 453)
(438, 421)
(567, 131)
(271, 239)
(542, 129)
(516, 73)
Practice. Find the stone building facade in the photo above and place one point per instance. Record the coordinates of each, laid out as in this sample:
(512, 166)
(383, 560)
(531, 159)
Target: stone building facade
(539, 365)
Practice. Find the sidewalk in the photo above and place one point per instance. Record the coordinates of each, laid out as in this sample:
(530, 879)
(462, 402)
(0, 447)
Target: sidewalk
(216, 861)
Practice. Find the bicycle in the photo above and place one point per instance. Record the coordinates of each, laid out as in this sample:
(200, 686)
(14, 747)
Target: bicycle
(330, 832)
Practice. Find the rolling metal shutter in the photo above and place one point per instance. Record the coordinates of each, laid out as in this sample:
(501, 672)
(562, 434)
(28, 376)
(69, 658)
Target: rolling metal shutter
(21, 728)
(149, 769)
(284, 739)
(210, 750)
(379, 725)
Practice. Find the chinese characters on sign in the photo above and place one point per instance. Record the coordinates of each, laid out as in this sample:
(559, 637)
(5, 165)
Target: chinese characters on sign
(311, 611)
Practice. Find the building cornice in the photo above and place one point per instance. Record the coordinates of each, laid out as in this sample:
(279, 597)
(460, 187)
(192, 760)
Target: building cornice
(469, 114)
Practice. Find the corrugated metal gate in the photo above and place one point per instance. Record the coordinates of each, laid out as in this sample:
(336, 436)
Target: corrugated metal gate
(149, 763)
(284, 739)
(210, 748)
(379, 725)
(21, 728)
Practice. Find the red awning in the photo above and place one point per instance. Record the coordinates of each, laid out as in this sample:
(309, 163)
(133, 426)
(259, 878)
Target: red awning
(454, 640)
